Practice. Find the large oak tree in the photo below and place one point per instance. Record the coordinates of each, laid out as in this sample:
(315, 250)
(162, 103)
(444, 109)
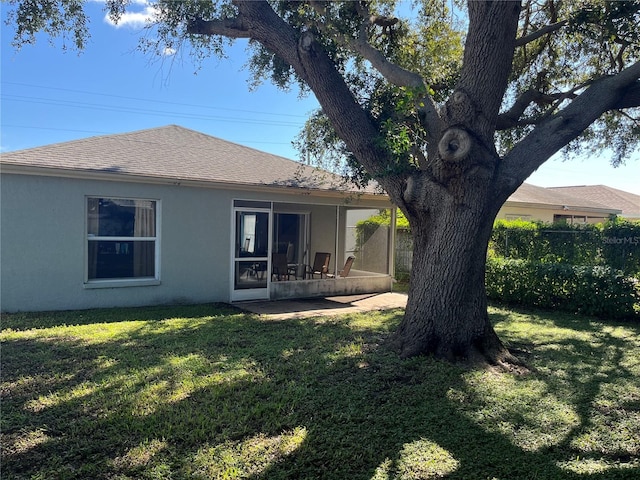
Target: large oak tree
(448, 122)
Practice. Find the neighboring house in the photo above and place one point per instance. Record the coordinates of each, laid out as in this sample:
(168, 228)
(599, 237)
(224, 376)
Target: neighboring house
(170, 215)
(530, 202)
(627, 203)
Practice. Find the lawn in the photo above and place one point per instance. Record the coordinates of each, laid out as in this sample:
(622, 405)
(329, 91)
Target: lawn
(208, 392)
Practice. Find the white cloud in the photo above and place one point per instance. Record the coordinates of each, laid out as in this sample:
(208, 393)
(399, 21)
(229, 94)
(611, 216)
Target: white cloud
(168, 51)
(137, 19)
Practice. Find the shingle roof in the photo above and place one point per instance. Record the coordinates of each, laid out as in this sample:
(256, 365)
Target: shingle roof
(178, 154)
(532, 194)
(629, 203)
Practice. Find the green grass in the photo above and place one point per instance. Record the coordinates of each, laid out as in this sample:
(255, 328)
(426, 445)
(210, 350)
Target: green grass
(207, 392)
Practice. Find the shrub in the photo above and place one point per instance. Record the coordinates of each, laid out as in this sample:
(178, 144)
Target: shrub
(513, 238)
(537, 241)
(573, 244)
(589, 290)
(621, 245)
(615, 244)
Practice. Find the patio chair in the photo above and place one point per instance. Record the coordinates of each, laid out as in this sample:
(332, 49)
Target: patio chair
(279, 267)
(320, 265)
(290, 252)
(345, 270)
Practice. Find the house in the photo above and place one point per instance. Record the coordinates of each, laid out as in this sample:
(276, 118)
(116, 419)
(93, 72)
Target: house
(170, 215)
(627, 203)
(551, 205)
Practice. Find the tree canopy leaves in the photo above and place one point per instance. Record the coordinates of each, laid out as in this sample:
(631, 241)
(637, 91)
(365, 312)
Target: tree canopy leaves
(398, 56)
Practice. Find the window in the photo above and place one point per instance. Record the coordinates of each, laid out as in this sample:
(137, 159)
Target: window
(516, 216)
(570, 219)
(122, 239)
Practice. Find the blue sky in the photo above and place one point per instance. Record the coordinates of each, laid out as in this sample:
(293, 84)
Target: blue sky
(49, 96)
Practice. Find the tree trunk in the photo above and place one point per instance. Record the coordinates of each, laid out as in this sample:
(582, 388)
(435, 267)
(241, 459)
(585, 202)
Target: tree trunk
(446, 313)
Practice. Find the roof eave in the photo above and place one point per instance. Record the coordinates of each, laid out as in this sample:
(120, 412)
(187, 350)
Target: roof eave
(564, 207)
(83, 174)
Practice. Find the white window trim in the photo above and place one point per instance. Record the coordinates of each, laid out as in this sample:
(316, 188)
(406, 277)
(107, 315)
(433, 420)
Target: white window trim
(122, 282)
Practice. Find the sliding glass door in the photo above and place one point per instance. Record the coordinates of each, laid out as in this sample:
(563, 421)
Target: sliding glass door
(290, 236)
(257, 233)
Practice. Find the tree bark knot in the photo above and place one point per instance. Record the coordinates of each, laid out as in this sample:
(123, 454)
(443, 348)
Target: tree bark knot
(305, 42)
(455, 145)
(412, 192)
(459, 97)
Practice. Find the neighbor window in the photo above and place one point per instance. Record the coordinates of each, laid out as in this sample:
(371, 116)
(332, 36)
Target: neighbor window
(516, 216)
(122, 239)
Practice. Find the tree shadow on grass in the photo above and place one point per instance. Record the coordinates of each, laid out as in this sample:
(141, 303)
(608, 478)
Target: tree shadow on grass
(434, 421)
(28, 320)
(594, 366)
(234, 396)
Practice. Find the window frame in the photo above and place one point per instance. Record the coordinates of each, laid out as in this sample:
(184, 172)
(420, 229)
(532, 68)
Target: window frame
(125, 281)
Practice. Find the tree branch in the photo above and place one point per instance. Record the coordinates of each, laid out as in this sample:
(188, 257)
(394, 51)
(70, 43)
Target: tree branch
(540, 33)
(227, 27)
(392, 72)
(634, 120)
(488, 57)
(312, 64)
(512, 117)
(548, 137)
(631, 97)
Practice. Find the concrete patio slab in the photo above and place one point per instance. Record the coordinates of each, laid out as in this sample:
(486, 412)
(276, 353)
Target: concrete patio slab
(314, 307)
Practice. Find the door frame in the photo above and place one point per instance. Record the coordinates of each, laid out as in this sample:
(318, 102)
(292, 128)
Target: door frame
(260, 293)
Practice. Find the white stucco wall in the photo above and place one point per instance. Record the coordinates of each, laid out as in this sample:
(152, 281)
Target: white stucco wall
(43, 241)
(43, 244)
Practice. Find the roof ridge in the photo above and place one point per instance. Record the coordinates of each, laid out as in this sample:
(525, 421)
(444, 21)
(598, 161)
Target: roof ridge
(529, 192)
(173, 151)
(612, 190)
(627, 202)
(89, 139)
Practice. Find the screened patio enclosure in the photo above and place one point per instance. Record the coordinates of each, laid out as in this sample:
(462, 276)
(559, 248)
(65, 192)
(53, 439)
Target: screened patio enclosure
(298, 232)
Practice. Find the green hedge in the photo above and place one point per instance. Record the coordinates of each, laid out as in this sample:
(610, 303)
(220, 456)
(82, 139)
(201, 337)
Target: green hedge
(590, 290)
(615, 243)
(621, 245)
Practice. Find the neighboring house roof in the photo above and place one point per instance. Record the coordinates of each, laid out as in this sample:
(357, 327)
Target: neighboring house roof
(531, 195)
(627, 203)
(173, 154)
